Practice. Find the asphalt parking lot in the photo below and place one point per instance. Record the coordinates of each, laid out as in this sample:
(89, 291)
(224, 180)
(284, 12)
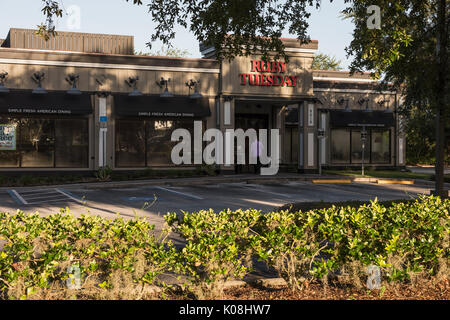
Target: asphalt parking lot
(152, 201)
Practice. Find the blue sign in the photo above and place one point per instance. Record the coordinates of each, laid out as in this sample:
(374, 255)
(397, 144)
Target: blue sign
(103, 119)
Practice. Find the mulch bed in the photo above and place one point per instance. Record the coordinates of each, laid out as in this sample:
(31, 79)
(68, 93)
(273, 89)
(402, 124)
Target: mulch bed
(422, 291)
(425, 290)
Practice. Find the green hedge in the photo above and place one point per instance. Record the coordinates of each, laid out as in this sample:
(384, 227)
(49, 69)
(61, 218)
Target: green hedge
(120, 259)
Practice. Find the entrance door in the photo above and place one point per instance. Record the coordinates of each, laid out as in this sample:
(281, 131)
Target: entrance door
(245, 122)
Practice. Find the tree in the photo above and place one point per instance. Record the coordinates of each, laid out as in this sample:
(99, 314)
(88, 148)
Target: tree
(166, 51)
(326, 62)
(409, 49)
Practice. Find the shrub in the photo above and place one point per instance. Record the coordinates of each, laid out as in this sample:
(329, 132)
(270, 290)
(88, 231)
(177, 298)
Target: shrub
(405, 240)
(116, 258)
(104, 173)
(217, 248)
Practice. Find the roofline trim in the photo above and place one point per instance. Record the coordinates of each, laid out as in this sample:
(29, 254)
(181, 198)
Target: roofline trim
(107, 66)
(343, 79)
(352, 91)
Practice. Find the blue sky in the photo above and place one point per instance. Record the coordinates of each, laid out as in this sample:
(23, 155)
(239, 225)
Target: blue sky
(121, 17)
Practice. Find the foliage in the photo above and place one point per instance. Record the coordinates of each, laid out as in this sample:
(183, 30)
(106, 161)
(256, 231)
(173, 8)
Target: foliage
(217, 247)
(234, 28)
(115, 257)
(419, 128)
(324, 61)
(120, 259)
(404, 240)
(104, 173)
(166, 51)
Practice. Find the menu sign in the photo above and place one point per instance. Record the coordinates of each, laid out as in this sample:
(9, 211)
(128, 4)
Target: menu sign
(7, 137)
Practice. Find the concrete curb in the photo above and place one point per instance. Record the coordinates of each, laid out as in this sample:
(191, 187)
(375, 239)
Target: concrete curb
(212, 180)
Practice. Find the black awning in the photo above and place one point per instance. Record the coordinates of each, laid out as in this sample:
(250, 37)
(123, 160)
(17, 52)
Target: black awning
(156, 106)
(340, 118)
(51, 103)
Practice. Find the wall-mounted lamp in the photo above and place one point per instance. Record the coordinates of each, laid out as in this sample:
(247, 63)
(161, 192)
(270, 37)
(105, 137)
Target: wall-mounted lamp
(132, 82)
(341, 101)
(72, 79)
(3, 76)
(194, 84)
(38, 77)
(382, 102)
(366, 101)
(166, 93)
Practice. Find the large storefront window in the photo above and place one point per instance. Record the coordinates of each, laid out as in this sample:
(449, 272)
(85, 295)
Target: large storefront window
(346, 146)
(381, 146)
(130, 143)
(141, 143)
(357, 150)
(47, 143)
(340, 146)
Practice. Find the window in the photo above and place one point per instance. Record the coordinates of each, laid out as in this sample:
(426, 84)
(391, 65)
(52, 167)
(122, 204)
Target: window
(346, 146)
(141, 143)
(381, 146)
(47, 143)
(71, 143)
(340, 146)
(130, 143)
(37, 143)
(357, 148)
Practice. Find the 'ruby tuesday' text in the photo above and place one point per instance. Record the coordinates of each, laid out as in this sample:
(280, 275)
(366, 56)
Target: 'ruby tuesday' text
(261, 79)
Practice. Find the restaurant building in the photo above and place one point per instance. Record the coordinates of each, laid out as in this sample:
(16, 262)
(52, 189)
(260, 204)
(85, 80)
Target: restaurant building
(83, 101)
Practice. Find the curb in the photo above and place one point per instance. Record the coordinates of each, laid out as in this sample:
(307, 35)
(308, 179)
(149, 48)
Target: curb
(218, 180)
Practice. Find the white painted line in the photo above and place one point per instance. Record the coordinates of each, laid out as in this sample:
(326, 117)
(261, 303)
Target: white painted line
(180, 193)
(258, 188)
(54, 200)
(18, 196)
(36, 191)
(46, 197)
(69, 196)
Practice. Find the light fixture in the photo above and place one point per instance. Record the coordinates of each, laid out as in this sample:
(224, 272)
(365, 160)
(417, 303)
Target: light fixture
(38, 77)
(382, 102)
(72, 79)
(194, 84)
(132, 82)
(341, 101)
(166, 93)
(362, 101)
(3, 76)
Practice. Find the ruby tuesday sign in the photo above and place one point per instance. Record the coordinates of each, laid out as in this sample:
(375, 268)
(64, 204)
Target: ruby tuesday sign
(270, 73)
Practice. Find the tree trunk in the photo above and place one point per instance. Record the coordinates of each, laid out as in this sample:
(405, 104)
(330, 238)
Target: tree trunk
(441, 96)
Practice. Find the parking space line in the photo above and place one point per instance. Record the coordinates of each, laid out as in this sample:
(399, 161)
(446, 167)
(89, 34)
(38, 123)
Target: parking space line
(18, 196)
(180, 193)
(258, 188)
(55, 194)
(69, 195)
(46, 201)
